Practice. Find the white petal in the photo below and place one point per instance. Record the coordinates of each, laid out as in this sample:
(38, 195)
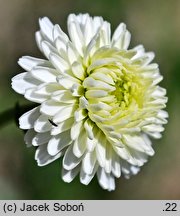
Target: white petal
(150, 57)
(46, 27)
(23, 81)
(70, 161)
(127, 39)
(28, 62)
(96, 118)
(42, 124)
(60, 44)
(39, 38)
(101, 149)
(88, 30)
(83, 103)
(95, 93)
(154, 120)
(88, 125)
(80, 114)
(108, 158)
(31, 95)
(106, 180)
(145, 59)
(91, 83)
(29, 136)
(41, 138)
(98, 63)
(48, 49)
(63, 126)
(44, 74)
(57, 32)
(52, 107)
(89, 162)
(125, 167)
(153, 128)
(79, 146)
(155, 135)
(158, 92)
(128, 169)
(47, 88)
(42, 156)
(59, 142)
(93, 45)
(157, 80)
(85, 178)
(122, 152)
(137, 143)
(59, 63)
(81, 19)
(77, 90)
(162, 114)
(116, 168)
(64, 96)
(103, 77)
(78, 70)
(97, 23)
(67, 82)
(159, 102)
(75, 33)
(76, 129)
(26, 121)
(134, 170)
(72, 53)
(100, 107)
(69, 175)
(139, 51)
(66, 112)
(105, 33)
(91, 144)
(138, 158)
(121, 37)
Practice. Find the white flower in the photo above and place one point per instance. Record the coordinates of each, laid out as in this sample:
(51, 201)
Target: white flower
(98, 101)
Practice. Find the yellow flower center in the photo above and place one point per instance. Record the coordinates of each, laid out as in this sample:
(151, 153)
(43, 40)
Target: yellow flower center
(122, 92)
(113, 84)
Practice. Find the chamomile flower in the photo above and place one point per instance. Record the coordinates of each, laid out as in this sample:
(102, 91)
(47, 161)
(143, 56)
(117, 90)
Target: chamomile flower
(98, 102)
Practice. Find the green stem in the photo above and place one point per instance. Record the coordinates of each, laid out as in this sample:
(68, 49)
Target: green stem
(14, 113)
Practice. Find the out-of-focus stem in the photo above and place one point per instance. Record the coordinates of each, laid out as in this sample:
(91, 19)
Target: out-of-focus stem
(14, 113)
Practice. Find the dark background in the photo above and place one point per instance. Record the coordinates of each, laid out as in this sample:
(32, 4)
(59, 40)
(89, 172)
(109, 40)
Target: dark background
(156, 25)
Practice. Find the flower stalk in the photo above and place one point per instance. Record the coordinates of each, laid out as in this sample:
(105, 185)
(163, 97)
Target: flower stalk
(13, 114)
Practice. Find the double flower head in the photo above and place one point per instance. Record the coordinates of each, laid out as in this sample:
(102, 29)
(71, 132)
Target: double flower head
(98, 102)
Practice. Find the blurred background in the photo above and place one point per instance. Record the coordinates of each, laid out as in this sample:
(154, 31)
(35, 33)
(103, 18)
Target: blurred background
(156, 25)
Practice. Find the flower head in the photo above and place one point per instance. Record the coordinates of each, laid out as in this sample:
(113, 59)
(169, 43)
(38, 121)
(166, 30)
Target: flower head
(99, 101)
